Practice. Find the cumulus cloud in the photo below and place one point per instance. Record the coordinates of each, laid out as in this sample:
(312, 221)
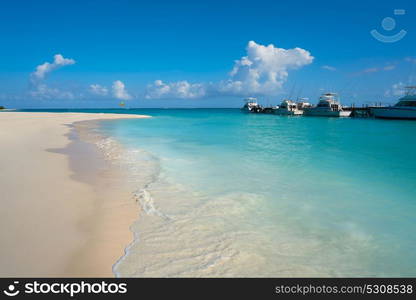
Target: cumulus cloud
(45, 68)
(329, 68)
(39, 89)
(97, 89)
(263, 71)
(119, 91)
(179, 89)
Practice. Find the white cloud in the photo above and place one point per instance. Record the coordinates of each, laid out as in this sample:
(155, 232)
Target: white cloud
(45, 68)
(97, 89)
(329, 68)
(179, 89)
(42, 91)
(263, 71)
(377, 69)
(119, 91)
(389, 68)
(39, 89)
(371, 70)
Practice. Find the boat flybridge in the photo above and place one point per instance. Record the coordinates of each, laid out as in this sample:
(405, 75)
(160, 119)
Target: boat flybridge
(328, 106)
(250, 105)
(303, 103)
(288, 108)
(404, 109)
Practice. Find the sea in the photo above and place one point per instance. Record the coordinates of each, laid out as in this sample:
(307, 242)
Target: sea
(227, 194)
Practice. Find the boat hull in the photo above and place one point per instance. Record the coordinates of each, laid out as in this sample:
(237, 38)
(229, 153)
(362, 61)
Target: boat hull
(285, 112)
(326, 113)
(394, 113)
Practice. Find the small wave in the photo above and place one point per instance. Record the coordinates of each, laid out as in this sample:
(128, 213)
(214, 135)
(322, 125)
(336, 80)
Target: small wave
(145, 199)
(143, 170)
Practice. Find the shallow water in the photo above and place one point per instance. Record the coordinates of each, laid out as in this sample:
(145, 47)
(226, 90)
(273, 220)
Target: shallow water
(231, 194)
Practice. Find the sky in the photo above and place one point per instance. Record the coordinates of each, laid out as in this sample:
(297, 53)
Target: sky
(88, 54)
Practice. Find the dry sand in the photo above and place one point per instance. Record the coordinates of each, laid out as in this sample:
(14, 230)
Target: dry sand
(53, 223)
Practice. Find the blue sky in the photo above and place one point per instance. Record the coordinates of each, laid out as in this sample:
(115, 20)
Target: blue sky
(183, 53)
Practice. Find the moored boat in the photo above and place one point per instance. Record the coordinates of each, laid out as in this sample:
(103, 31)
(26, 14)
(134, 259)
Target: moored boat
(328, 106)
(303, 103)
(404, 109)
(288, 108)
(250, 105)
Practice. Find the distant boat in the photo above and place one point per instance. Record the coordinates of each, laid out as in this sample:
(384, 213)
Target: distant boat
(404, 109)
(328, 106)
(303, 103)
(251, 105)
(288, 108)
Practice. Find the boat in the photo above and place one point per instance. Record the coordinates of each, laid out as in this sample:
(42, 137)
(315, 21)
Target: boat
(269, 109)
(328, 106)
(303, 103)
(251, 105)
(404, 109)
(288, 108)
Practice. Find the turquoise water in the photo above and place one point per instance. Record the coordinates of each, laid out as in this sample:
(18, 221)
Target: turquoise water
(232, 194)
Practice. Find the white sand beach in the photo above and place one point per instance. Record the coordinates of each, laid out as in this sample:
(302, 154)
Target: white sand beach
(51, 223)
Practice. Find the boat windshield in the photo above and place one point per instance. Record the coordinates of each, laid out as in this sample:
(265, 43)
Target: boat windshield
(323, 104)
(406, 103)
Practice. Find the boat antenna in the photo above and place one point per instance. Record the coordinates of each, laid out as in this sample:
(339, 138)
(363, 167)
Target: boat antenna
(292, 90)
(299, 93)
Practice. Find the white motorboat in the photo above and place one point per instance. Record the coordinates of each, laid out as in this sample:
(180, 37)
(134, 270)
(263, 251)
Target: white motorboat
(250, 105)
(303, 103)
(404, 109)
(328, 106)
(288, 108)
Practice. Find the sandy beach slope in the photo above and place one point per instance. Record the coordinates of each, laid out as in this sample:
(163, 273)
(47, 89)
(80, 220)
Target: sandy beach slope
(51, 223)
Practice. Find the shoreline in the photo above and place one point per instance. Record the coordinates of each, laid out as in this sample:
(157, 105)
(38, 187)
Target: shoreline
(66, 212)
(115, 209)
